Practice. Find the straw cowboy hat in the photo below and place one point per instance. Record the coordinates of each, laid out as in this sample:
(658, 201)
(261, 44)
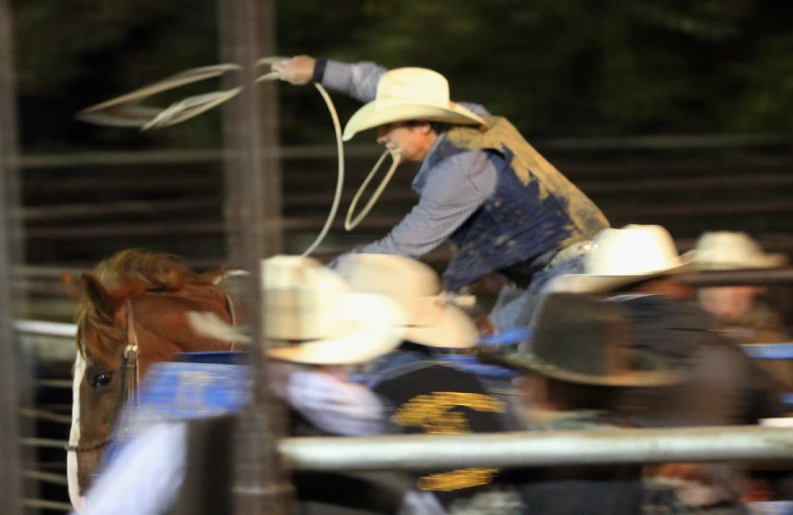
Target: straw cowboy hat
(579, 339)
(431, 320)
(733, 250)
(410, 94)
(626, 256)
(312, 317)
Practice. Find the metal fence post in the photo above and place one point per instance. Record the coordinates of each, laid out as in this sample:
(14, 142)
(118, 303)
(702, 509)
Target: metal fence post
(253, 224)
(14, 384)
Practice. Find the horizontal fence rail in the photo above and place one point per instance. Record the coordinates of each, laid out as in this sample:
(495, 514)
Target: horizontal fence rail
(532, 449)
(40, 328)
(47, 505)
(670, 142)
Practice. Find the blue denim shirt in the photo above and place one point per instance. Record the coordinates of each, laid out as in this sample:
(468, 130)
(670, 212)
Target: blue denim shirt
(448, 192)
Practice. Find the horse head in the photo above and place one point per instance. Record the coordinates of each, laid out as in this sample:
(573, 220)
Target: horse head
(131, 313)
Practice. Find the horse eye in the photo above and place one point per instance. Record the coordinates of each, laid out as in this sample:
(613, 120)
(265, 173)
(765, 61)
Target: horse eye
(99, 380)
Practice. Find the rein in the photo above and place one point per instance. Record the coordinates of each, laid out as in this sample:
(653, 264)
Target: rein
(130, 369)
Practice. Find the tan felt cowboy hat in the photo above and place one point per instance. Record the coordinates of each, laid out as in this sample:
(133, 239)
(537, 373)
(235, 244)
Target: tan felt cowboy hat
(312, 317)
(625, 256)
(431, 320)
(410, 94)
(733, 250)
(579, 339)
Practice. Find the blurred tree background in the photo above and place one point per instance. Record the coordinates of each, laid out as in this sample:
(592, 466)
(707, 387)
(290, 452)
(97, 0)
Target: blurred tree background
(555, 67)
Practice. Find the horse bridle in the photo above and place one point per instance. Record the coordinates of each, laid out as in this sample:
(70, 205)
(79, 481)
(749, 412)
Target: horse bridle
(130, 367)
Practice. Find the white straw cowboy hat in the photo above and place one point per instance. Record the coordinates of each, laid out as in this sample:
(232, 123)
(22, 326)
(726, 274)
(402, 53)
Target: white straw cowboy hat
(431, 320)
(410, 94)
(312, 317)
(626, 256)
(733, 250)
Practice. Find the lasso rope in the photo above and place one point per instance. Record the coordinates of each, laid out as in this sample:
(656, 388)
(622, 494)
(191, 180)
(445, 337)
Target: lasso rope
(274, 75)
(126, 111)
(148, 118)
(397, 159)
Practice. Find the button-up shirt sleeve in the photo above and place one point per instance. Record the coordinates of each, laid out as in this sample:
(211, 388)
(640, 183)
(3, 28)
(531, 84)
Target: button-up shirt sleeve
(358, 80)
(454, 189)
(335, 406)
(146, 476)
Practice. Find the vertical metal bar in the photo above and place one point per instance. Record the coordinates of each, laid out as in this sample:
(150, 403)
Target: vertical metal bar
(14, 385)
(253, 214)
(269, 118)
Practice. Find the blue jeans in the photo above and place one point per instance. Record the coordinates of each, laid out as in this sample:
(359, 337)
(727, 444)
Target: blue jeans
(515, 306)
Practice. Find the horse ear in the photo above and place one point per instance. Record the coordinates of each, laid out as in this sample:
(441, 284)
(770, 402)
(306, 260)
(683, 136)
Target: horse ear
(98, 295)
(74, 287)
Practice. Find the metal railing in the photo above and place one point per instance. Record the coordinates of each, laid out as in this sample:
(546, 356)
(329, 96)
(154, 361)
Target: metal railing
(539, 448)
(14, 384)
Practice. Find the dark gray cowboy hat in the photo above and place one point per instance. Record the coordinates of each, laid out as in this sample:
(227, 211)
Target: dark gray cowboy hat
(579, 339)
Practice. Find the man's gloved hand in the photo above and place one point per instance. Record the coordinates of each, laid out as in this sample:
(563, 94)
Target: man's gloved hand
(298, 70)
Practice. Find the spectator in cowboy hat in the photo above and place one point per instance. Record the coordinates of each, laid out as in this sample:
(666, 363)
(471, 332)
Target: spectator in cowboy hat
(435, 330)
(319, 333)
(581, 358)
(436, 367)
(438, 326)
(480, 184)
(433, 319)
(638, 266)
(580, 354)
(744, 313)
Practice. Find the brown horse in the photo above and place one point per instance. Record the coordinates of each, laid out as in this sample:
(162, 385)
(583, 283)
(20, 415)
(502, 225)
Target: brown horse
(131, 312)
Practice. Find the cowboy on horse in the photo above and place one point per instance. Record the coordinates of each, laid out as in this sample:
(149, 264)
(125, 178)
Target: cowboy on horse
(480, 183)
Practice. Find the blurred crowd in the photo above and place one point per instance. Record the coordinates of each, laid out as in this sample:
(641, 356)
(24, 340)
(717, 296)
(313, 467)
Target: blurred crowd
(376, 347)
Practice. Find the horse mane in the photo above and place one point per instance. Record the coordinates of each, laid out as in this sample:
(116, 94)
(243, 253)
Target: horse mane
(124, 275)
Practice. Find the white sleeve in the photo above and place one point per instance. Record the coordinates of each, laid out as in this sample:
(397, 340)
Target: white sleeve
(146, 476)
(335, 406)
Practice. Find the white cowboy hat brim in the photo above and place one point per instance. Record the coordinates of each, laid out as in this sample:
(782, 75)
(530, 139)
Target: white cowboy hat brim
(714, 260)
(370, 326)
(369, 116)
(592, 283)
(375, 319)
(453, 330)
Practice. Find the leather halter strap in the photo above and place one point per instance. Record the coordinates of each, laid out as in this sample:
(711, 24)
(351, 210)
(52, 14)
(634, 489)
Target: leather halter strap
(130, 365)
(232, 318)
(131, 361)
(130, 368)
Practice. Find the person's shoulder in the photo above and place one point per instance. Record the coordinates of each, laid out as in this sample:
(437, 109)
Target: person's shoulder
(447, 155)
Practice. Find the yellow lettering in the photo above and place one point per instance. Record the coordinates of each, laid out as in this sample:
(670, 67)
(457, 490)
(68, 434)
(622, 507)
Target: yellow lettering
(433, 414)
(457, 479)
(424, 409)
